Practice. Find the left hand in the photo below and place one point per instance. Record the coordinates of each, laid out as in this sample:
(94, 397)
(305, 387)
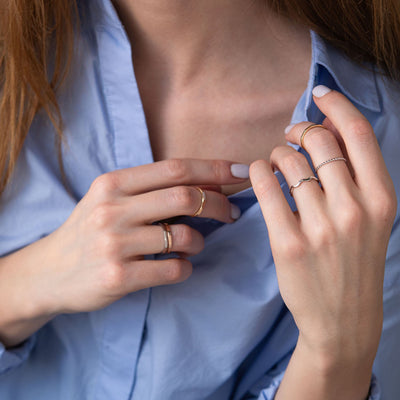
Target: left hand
(330, 254)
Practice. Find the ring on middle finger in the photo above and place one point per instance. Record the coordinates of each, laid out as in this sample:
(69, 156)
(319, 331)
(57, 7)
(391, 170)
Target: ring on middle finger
(202, 202)
(309, 179)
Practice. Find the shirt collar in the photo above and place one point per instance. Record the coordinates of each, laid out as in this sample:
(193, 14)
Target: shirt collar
(358, 83)
(104, 14)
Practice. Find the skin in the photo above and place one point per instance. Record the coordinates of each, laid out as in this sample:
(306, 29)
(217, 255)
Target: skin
(222, 80)
(332, 250)
(96, 256)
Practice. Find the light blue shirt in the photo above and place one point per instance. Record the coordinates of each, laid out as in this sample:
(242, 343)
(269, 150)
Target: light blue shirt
(225, 333)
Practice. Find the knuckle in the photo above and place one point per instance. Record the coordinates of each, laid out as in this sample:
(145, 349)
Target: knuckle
(294, 248)
(322, 139)
(292, 161)
(360, 129)
(184, 235)
(324, 233)
(183, 198)
(219, 170)
(384, 206)
(351, 217)
(265, 187)
(104, 184)
(257, 165)
(113, 277)
(110, 246)
(102, 216)
(177, 169)
(275, 155)
(175, 270)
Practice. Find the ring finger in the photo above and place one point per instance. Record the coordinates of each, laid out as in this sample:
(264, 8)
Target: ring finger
(149, 239)
(294, 166)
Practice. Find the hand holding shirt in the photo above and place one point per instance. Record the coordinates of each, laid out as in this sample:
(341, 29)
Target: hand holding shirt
(224, 333)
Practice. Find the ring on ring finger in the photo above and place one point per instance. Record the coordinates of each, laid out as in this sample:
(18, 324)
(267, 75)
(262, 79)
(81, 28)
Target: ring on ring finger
(167, 237)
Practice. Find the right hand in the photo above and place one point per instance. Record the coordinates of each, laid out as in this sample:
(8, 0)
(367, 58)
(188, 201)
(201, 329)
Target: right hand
(97, 255)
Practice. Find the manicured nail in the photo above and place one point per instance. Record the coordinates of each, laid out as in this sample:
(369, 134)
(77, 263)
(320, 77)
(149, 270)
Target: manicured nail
(320, 91)
(240, 170)
(235, 211)
(288, 128)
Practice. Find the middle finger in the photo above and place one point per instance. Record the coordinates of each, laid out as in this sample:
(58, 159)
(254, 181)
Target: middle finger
(167, 203)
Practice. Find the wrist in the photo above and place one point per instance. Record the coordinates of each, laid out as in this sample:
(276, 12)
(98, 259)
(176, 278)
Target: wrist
(25, 303)
(341, 372)
(336, 351)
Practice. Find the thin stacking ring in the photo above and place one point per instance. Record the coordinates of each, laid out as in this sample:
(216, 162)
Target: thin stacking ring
(167, 237)
(309, 179)
(329, 161)
(203, 202)
(308, 129)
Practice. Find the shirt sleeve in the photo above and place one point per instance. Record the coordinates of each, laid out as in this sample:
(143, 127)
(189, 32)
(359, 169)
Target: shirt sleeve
(267, 387)
(33, 205)
(12, 358)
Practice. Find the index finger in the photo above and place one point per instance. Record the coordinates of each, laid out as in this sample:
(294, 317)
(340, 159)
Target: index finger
(176, 172)
(359, 138)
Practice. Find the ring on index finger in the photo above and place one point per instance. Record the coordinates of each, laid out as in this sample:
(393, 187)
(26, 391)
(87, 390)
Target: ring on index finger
(308, 129)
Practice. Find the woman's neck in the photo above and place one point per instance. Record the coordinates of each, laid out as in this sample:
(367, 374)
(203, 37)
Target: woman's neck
(183, 38)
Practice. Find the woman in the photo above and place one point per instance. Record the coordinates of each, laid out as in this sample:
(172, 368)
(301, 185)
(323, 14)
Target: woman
(101, 300)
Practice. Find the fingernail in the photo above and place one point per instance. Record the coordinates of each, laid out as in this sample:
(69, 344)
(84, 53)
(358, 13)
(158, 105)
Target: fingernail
(240, 170)
(235, 211)
(288, 128)
(320, 91)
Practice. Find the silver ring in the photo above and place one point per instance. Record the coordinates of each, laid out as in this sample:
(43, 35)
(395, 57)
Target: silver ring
(309, 179)
(329, 161)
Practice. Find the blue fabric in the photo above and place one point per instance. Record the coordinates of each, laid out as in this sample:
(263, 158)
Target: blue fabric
(225, 333)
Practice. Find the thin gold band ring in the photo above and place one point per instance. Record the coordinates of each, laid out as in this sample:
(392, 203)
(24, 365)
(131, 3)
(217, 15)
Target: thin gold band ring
(167, 237)
(308, 129)
(202, 203)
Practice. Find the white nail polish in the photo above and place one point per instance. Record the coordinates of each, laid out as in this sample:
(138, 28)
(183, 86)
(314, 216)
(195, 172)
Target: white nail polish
(240, 170)
(235, 211)
(288, 128)
(320, 91)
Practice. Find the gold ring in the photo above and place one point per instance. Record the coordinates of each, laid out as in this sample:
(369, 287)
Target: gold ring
(203, 201)
(308, 129)
(167, 237)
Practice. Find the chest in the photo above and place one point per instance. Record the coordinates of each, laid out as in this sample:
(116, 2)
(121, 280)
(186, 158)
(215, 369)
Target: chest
(236, 129)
